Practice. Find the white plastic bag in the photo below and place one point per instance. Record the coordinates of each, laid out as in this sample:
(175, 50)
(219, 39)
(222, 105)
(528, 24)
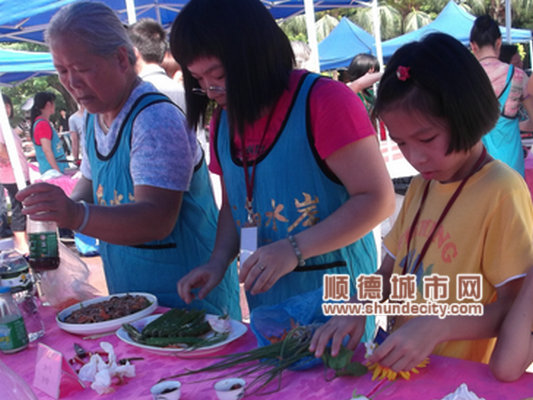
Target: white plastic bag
(67, 284)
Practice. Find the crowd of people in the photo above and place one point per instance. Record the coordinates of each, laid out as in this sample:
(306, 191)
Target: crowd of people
(303, 180)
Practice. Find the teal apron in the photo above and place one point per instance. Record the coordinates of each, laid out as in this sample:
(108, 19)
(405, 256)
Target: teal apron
(57, 150)
(503, 142)
(293, 191)
(157, 266)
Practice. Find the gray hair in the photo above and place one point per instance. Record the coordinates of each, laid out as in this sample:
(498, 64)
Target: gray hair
(95, 24)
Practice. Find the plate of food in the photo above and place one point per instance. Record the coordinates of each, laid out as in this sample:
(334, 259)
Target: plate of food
(105, 314)
(183, 333)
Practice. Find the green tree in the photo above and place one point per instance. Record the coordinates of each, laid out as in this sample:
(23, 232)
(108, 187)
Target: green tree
(21, 92)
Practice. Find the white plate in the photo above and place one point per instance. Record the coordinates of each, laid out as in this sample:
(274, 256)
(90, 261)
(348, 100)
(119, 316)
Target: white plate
(237, 329)
(105, 326)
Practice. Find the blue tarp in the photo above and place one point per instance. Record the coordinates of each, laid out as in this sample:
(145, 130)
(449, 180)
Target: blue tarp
(22, 65)
(342, 44)
(25, 20)
(452, 20)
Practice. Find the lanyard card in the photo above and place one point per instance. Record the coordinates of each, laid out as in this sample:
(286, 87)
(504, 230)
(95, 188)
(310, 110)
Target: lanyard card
(248, 242)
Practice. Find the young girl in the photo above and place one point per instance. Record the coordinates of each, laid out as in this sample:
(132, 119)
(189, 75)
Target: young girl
(464, 214)
(514, 350)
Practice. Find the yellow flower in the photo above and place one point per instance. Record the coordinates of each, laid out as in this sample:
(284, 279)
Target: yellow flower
(381, 372)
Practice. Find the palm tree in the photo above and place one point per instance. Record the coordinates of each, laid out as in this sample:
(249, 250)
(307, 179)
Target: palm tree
(390, 20)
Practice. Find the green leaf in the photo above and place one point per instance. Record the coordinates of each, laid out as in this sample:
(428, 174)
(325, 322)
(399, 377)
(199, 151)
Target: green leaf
(353, 369)
(338, 362)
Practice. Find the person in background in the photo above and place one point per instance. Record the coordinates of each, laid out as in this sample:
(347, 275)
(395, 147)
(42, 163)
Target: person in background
(145, 190)
(48, 148)
(513, 353)
(62, 121)
(509, 54)
(296, 153)
(149, 39)
(360, 76)
(75, 126)
(438, 104)
(8, 181)
(510, 85)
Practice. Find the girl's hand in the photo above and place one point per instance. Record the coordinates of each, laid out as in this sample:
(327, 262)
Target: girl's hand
(266, 265)
(409, 345)
(336, 329)
(204, 277)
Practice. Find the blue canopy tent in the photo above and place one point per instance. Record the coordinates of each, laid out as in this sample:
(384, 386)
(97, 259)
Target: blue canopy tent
(342, 44)
(26, 21)
(454, 21)
(22, 65)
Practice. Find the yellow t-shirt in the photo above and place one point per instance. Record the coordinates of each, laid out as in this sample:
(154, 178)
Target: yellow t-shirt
(488, 231)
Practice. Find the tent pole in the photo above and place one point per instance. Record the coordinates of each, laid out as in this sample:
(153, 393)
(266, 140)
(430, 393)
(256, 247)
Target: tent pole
(11, 147)
(130, 8)
(508, 21)
(377, 32)
(531, 53)
(314, 64)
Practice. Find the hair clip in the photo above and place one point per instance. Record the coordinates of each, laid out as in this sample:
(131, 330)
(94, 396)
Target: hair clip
(403, 73)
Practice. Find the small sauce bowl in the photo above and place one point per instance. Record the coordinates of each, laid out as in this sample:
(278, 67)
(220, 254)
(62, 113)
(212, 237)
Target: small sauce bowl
(166, 390)
(230, 388)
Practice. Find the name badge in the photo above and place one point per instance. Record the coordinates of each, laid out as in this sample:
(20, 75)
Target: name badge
(248, 242)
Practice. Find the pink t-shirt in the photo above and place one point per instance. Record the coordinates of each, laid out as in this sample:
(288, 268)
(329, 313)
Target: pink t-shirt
(43, 129)
(338, 118)
(6, 171)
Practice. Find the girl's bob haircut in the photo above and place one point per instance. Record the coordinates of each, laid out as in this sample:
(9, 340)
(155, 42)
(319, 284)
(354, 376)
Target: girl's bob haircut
(256, 55)
(439, 78)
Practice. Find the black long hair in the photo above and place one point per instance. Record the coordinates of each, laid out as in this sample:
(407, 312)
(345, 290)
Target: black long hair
(39, 102)
(485, 31)
(256, 55)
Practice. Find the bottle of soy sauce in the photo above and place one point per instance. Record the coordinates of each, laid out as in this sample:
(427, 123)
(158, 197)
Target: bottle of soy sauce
(44, 248)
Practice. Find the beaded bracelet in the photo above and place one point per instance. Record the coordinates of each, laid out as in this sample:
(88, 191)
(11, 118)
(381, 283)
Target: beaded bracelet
(85, 216)
(294, 244)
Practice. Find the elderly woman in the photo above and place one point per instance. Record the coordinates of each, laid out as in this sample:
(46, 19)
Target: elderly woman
(153, 208)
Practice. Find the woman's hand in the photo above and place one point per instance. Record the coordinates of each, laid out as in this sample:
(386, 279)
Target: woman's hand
(266, 265)
(45, 202)
(409, 345)
(336, 329)
(205, 278)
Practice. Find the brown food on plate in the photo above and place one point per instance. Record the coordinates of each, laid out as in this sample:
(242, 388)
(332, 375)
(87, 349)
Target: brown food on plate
(115, 307)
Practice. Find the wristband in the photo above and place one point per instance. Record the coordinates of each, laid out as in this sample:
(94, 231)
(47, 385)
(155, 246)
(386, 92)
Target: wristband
(294, 244)
(85, 216)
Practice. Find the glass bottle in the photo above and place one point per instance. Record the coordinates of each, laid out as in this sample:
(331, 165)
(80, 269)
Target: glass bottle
(15, 274)
(44, 247)
(13, 335)
(12, 386)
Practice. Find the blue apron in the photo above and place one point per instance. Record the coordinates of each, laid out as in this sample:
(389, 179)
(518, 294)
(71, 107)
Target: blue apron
(503, 142)
(57, 149)
(157, 266)
(293, 191)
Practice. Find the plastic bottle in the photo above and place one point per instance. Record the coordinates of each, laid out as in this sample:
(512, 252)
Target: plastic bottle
(13, 335)
(12, 386)
(15, 274)
(44, 248)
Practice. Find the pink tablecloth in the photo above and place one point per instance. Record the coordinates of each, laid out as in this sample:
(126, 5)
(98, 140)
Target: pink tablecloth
(441, 377)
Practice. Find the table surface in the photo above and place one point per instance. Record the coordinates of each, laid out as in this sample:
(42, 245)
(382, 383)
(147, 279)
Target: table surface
(442, 376)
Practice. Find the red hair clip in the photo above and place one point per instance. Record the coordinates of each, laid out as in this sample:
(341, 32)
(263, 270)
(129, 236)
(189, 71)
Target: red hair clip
(403, 73)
